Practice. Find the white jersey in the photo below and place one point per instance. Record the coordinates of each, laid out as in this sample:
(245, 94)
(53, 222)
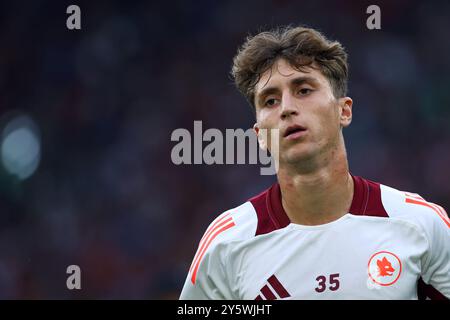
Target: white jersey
(391, 245)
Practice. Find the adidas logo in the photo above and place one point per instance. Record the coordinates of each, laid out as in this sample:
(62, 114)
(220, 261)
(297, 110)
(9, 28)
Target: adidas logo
(273, 290)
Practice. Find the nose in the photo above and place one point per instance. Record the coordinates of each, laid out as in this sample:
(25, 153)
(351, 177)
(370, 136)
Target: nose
(288, 106)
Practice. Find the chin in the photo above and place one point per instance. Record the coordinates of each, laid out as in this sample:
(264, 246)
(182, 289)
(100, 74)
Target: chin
(296, 155)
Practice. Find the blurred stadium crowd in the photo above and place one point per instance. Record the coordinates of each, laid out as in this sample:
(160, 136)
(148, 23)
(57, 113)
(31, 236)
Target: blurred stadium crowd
(88, 180)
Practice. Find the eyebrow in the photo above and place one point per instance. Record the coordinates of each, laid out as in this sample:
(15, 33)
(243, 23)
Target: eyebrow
(294, 82)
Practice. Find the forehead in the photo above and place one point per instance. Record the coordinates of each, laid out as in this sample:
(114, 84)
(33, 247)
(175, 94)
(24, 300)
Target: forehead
(282, 72)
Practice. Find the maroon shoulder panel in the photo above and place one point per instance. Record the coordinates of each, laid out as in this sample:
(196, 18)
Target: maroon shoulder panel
(367, 198)
(270, 212)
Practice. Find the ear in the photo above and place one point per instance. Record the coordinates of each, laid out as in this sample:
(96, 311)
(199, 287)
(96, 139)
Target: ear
(345, 111)
(261, 141)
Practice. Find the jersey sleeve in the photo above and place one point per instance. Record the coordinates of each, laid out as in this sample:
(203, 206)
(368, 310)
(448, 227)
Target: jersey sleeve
(207, 277)
(436, 267)
(436, 262)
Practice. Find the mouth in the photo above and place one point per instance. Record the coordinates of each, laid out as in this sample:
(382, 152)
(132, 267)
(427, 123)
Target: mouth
(293, 132)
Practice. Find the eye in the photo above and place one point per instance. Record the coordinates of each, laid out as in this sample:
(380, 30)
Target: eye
(270, 102)
(304, 91)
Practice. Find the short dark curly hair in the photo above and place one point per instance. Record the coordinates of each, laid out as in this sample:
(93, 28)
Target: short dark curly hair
(300, 46)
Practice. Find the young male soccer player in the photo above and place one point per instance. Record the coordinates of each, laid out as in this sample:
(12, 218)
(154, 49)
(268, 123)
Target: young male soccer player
(319, 232)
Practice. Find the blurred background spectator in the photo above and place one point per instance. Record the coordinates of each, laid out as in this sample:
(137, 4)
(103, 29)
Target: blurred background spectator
(86, 118)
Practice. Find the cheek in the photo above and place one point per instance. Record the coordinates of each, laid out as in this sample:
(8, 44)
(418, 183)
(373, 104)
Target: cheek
(265, 120)
(327, 121)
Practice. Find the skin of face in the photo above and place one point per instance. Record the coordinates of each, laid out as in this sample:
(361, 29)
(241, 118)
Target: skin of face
(285, 97)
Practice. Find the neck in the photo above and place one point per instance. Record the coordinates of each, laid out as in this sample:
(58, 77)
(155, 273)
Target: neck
(319, 194)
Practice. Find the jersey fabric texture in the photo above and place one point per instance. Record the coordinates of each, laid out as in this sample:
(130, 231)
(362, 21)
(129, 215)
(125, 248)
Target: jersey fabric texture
(390, 245)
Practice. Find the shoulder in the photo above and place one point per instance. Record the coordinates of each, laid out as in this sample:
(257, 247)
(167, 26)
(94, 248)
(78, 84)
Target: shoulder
(236, 224)
(412, 207)
(377, 199)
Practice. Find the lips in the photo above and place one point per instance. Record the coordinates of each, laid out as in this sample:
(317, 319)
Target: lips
(293, 130)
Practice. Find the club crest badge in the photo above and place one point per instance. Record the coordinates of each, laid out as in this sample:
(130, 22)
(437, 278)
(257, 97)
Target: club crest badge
(384, 268)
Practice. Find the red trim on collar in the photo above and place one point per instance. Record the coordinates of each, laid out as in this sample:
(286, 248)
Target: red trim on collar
(271, 214)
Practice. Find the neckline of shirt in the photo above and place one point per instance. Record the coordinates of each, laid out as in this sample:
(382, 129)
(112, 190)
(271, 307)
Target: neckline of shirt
(321, 226)
(280, 219)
